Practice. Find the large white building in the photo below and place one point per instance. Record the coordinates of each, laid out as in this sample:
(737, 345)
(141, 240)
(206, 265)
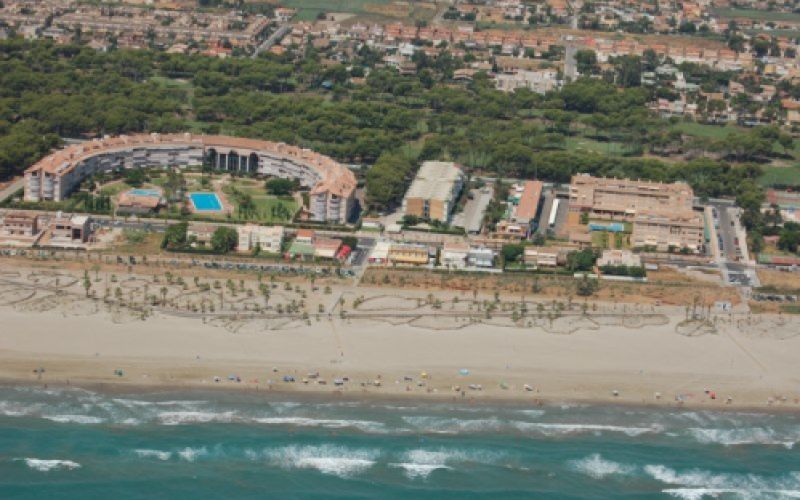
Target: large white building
(268, 239)
(332, 185)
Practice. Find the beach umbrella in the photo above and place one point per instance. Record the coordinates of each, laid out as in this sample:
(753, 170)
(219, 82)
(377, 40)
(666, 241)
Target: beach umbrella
(463, 371)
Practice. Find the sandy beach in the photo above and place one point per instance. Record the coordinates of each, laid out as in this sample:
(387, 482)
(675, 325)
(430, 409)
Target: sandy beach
(388, 342)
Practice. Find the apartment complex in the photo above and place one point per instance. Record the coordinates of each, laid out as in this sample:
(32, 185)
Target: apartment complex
(661, 214)
(622, 199)
(434, 191)
(332, 185)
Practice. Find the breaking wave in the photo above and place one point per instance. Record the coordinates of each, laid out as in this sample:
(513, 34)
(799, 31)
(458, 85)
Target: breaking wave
(746, 436)
(696, 483)
(161, 455)
(597, 467)
(49, 465)
(74, 419)
(363, 425)
(328, 459)
(195, 417)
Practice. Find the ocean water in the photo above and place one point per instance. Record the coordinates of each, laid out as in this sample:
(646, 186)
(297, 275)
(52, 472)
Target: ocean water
(78, 444)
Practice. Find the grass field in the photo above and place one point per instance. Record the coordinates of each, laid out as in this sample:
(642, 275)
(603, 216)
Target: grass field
(757, 15)
(309, 9)
(585, 144)
(269, 208)
(703, 130)
(114, 189)
(780, 176)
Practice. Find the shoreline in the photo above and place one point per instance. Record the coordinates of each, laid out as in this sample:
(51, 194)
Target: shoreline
(352, 393)
(111, 388)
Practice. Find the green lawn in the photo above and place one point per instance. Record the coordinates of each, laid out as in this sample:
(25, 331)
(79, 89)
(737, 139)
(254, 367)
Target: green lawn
(114, 189)
(309, 9)
(703, 130)
(780, 176)
(269, 208)
(757, 15)
(586, 144)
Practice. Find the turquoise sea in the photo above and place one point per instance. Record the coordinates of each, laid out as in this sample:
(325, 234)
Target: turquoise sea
(76, 444)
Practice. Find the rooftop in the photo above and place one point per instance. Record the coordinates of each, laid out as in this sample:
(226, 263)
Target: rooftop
(434, 180)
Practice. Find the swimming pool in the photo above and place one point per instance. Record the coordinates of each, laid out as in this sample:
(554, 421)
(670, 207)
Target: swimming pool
(145, 192)
(205, 202)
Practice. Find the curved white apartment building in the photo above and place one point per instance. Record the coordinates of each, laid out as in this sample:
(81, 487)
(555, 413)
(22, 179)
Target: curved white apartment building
(332, 184)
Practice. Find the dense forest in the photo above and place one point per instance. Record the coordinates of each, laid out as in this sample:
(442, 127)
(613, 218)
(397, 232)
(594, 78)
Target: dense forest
(386, 121)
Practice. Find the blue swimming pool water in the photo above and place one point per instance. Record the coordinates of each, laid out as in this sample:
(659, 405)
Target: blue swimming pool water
(206, 202)
(145, 192)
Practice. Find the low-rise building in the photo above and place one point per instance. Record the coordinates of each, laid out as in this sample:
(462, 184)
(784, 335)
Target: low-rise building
(619, 258)
(524, 200)
(481, 257)
(305, 236)
(454, 255)
(70, 229)
(326, 248)
(540, 81)
(408, 254)
(379, 253)
(200, 234)
(20, 224)
(267, 239)
(544, 256)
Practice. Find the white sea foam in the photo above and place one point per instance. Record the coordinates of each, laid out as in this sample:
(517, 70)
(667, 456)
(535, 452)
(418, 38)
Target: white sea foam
(413, 470)
(74, 419)
(17, 409)
(363, 425)
(745, 436)
(555, 429)
(194, 417)
(328, 459)
(161, 455)
(598, 467)
(421, 463)
(49, 465)
(442, 425)
(192, 454)
(696, 483)
(133, 403)
(532, 413)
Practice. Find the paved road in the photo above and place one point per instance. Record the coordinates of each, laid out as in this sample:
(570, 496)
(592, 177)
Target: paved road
(570, 64)
(730, 246)
(273, 39)
(547, 204)
(12, 189)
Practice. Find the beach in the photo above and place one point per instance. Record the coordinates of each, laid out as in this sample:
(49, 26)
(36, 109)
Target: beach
(388, 342)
